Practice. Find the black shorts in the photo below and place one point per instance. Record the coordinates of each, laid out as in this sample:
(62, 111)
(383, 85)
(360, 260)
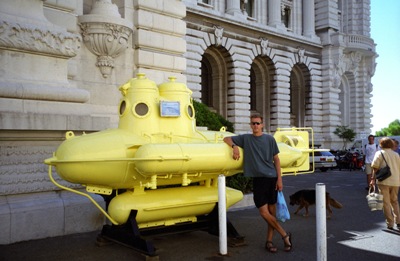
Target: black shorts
(264, 191)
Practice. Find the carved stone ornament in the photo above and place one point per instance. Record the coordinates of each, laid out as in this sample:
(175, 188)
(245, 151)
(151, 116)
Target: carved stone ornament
(38, 36)
(264, 46)
(22, 170)
(105, 34)
(300, 53)
(218, 32)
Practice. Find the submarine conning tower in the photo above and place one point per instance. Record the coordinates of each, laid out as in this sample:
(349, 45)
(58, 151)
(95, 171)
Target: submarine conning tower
(163, 114)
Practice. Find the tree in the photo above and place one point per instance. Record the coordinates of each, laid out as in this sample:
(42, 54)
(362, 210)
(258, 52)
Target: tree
(346, 134)
(392, 130)
(206, 118)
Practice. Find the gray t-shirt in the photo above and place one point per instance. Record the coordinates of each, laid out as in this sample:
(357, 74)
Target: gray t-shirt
(259, 152)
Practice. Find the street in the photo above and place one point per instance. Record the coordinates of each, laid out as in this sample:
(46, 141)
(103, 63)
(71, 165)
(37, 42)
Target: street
(353, 232)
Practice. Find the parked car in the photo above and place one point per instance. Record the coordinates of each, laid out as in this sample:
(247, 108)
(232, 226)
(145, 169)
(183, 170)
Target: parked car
(323, 160)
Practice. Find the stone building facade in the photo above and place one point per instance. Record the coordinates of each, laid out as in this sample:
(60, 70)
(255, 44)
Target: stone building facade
(302, 63)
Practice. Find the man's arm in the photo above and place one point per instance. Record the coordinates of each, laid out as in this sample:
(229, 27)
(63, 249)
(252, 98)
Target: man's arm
(236, 153)
(374, 171)
(277, 163)
(229, 141)
(364, 152)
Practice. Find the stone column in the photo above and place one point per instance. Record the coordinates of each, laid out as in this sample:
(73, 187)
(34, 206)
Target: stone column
(308, 18)
(261, 12)
(233, 7)
(274, 13)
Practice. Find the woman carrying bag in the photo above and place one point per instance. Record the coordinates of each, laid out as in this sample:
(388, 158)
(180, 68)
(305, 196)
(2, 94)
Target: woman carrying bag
(388, 187)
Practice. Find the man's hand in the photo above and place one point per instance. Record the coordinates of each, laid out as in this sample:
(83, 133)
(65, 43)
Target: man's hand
(279, 184)
(236, 153)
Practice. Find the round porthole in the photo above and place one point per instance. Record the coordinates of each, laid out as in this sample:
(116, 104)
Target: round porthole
(122, 108)
(141, 109)
(190, 111)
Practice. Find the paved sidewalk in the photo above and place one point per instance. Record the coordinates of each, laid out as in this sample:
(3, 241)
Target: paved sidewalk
(353, 233)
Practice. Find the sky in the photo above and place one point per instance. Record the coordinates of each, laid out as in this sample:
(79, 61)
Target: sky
(385, 31)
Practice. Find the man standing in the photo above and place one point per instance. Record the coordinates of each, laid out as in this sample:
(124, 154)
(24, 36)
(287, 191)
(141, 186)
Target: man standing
(261, 161)
(369, 153)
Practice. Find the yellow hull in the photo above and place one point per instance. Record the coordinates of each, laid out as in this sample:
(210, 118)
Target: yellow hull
(163, 207)
(117, 159)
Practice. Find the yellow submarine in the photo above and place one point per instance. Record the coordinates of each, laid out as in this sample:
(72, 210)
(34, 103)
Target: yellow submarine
(166, 167)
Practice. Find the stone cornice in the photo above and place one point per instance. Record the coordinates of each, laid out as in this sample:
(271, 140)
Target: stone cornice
(38, 38)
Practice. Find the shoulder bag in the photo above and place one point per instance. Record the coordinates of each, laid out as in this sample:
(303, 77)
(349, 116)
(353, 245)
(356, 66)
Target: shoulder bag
(383, 173)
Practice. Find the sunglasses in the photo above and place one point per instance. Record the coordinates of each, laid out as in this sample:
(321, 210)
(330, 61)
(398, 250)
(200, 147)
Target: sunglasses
(255, 123)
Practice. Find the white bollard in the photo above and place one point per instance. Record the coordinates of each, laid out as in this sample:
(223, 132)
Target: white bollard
(321, 221)
(223, 245)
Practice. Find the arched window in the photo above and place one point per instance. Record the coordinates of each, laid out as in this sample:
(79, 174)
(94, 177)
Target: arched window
(206, 84)
(299, 95)
(214, 79)
(261, 82)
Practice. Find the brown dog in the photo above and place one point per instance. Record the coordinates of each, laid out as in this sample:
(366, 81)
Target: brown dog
(306, 197)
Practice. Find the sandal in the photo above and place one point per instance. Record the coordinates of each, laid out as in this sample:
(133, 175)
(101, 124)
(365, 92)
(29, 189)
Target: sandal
(288, 247)
(270, 247)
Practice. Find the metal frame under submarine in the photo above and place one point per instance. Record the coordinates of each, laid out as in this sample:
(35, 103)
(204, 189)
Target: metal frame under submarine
(157, 145)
